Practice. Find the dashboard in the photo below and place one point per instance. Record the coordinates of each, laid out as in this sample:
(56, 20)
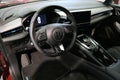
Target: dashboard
(15, 24)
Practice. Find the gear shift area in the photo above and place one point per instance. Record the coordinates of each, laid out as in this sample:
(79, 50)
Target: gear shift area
(94, 51)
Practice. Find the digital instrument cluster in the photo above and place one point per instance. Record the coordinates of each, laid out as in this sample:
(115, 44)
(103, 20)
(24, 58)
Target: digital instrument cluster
(41, 20)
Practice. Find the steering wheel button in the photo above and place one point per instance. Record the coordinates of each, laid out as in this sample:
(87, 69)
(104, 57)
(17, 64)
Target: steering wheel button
(42, 38)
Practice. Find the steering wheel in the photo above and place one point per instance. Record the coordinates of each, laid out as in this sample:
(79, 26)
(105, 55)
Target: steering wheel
(55, 38)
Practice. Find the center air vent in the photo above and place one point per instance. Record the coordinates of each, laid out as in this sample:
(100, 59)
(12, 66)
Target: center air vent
(12, 32)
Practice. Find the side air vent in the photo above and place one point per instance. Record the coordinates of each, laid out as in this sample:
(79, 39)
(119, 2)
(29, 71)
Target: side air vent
(8, 17)
(12, 32)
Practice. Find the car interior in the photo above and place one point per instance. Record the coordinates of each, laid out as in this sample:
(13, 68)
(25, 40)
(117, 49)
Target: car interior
(61, 40)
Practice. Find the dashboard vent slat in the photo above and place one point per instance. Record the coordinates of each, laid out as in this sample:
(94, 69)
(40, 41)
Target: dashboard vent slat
(12, 32)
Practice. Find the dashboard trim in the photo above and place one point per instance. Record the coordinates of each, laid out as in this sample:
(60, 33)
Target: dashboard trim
(94, 10)
(11, 25)
(15, 37)
(99, 17)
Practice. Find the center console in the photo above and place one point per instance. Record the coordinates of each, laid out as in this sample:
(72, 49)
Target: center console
(93, 51)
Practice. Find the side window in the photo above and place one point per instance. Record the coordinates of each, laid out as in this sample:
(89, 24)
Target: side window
(116, 1)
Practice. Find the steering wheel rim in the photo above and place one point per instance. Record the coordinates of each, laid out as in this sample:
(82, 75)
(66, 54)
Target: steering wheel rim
(32, 31)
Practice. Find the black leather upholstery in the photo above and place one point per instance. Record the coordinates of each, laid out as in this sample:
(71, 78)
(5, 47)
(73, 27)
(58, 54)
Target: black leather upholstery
(115, 52)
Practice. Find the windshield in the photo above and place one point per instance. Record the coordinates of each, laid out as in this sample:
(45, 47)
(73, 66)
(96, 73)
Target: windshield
(4, 3)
